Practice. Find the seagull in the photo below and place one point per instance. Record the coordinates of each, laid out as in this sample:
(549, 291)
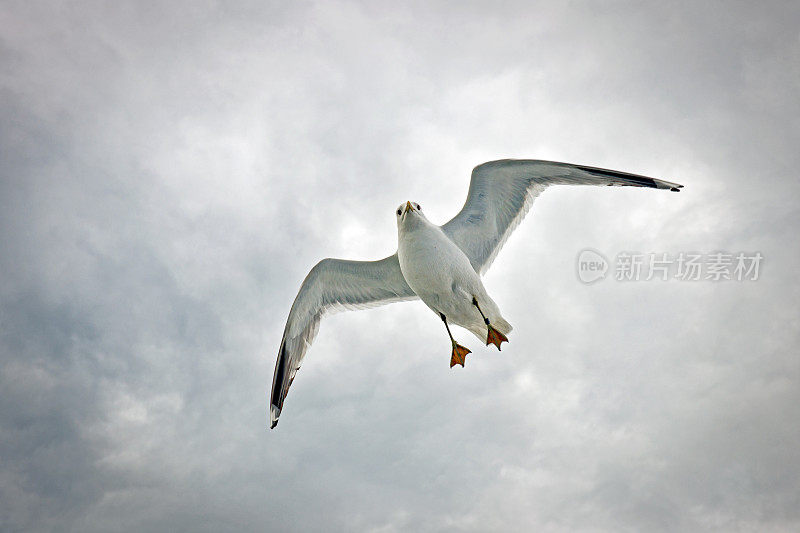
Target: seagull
(440, 265)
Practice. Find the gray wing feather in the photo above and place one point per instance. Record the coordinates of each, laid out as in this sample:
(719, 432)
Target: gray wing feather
(502, 192)
(332, 285)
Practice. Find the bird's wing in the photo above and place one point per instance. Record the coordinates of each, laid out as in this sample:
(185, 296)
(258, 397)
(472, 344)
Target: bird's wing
(502, 192)
(332, 285)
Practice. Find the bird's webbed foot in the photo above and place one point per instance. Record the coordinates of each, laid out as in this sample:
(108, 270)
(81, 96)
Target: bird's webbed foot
(459, 355)
(495, 337)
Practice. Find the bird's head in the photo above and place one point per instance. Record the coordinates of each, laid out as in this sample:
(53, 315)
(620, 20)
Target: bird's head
(408, 215)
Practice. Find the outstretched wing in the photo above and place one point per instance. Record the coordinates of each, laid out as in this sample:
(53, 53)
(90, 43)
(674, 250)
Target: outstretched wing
(332, 285)
(502, 192)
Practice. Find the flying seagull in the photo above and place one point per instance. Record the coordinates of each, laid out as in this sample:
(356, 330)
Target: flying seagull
(441, 265)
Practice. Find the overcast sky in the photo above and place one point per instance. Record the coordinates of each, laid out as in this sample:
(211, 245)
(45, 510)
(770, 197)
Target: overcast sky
(172, 170)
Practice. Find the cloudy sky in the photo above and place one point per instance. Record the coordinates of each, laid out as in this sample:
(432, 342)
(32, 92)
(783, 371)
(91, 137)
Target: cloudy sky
(170, 171)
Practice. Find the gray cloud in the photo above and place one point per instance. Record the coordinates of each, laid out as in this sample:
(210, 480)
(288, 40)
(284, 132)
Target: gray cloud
(171, 172)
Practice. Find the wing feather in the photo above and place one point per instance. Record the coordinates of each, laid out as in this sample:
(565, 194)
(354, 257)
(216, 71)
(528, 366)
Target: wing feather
(502, 192)
(332, 285)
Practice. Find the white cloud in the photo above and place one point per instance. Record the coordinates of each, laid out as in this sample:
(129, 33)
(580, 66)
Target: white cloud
(170, 173)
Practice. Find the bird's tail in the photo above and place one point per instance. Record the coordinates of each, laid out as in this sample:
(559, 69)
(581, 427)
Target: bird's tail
(499, 323)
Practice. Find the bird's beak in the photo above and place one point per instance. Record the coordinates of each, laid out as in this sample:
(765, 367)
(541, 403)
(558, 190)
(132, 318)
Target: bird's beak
(409, 207)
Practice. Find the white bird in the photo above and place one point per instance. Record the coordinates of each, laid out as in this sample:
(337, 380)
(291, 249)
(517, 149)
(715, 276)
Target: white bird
(441, 265)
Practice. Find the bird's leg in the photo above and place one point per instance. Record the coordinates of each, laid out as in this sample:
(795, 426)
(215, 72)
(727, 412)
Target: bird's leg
(459, 352)
(493, 336)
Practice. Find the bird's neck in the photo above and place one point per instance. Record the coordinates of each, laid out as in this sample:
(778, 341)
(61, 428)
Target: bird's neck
(416, 228)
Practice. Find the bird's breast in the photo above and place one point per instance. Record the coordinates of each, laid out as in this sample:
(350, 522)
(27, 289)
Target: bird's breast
(431, 262)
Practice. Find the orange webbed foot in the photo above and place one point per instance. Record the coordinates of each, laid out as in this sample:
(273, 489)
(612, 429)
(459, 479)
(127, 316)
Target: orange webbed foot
(459, 355)
(495, 337)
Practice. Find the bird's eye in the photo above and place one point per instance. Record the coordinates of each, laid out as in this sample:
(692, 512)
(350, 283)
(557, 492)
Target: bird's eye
(398, 211)
(419, 207)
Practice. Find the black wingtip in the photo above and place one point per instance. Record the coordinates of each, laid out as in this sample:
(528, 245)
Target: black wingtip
(274, 414)
(675, 189)
(625, 177)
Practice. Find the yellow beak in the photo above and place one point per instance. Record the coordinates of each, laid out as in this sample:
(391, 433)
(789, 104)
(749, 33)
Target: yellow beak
(408, 207)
